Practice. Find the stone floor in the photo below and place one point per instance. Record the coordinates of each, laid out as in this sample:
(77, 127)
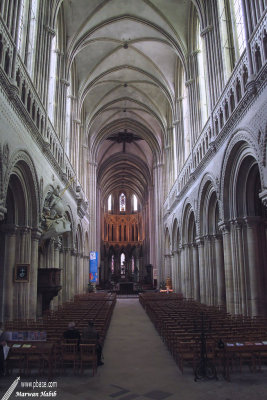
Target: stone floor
(138, 366)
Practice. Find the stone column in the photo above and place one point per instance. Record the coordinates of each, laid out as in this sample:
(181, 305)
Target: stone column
(241, 306)
(92, 198)
(190, 271)
(157, 218)
(182, 284)
(9, 265)
(85, 273)
(22, 293)
(201, 264)
(73, 272)
(208, 270)
(67, 274)
(35, 236)
(196, 273)
(219, 261)
(251, 75)
(167, 267)
(207, 35)
(228, 267)
(175, 270)
(179, 272)
(253, 265)
(186, 271)
(61, 266)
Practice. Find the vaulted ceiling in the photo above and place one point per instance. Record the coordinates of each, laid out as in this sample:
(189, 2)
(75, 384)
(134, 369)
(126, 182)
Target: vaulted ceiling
(125, 55)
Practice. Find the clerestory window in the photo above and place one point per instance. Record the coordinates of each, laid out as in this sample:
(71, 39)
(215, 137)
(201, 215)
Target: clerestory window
(122, 202)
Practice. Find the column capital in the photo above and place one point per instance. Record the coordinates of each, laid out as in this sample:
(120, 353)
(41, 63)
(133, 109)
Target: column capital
(189, 82)
(224, 227)
(3, 210)
(74, 252)
(24, 230)
(185, 245)
(199, 240)
(195, 52)
(263, 197)
(50, 30)
(237, 222)
(206, 30)
(36, 233)
(166, 255)
(65, 82)
(58, 243)
(217, 237)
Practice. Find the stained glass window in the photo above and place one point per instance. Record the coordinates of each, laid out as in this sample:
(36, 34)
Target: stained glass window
(122, 202)
(112, 264)
(122, 264)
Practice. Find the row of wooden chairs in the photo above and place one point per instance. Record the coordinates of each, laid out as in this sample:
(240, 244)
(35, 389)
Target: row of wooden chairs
(95, 307)
(179, 322)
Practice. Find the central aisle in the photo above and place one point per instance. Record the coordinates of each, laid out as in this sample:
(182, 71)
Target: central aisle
(135, 356)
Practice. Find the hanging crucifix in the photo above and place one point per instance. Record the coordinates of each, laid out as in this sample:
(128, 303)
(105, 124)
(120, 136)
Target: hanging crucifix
(124, 137)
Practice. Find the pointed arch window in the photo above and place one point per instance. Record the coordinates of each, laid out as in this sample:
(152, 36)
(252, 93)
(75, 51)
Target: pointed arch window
(122, 202)
(232, 33)
(68, 120)
(109, 202)
(135, 203)
(27, 32)
(239, 26)
(132, 264)
(112, 264)
(52, 79)
(202, 79)
(122, 264)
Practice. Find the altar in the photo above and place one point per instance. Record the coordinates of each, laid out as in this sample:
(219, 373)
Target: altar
(126, 287)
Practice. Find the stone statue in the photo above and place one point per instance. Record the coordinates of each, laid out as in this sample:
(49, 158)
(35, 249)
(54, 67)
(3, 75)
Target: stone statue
(54, 221)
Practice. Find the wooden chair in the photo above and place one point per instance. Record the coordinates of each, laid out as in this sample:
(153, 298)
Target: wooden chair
(69, 355)
(88, 356)
(187, 353)
(17, 361)
(34, 361)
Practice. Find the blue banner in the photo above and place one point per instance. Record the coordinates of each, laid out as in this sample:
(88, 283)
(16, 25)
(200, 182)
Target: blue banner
(93, 267)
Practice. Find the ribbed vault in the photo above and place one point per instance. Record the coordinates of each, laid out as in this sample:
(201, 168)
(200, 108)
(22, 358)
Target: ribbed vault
(125, 55)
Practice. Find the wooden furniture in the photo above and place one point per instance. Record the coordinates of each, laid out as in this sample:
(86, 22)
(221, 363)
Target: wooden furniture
(69, 355)
(178, 322)
(31, 355)
(88, 356)
(249, 353)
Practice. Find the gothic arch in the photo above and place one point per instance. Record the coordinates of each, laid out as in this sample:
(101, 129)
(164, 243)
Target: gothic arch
(22, 166)
(176, 238)
(237, 151)
(245, 218)
(69, 237)
(86, 244)
(208, 207)
(189, 221)
(167, 246)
